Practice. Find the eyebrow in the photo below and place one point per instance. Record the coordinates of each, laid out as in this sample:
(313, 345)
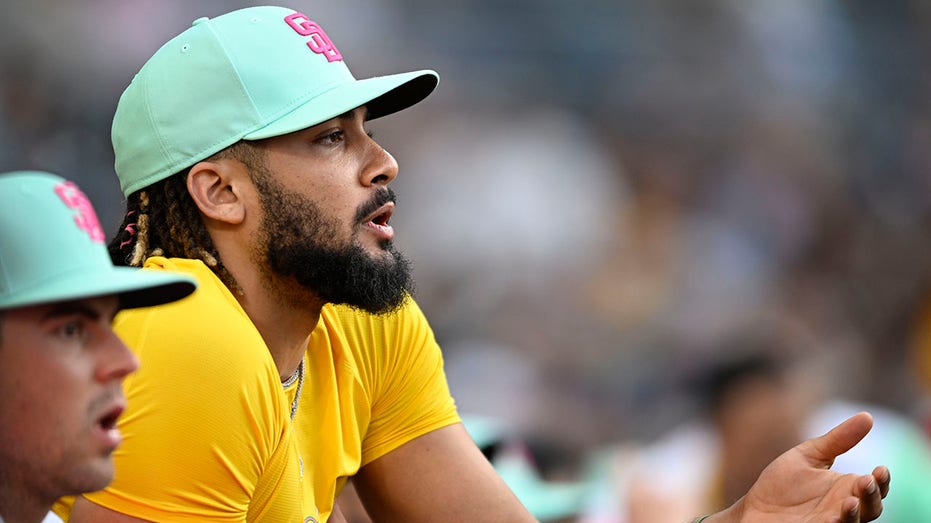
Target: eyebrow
(79, 307)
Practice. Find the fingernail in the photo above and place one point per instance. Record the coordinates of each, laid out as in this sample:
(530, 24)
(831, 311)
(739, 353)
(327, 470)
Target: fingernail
(871, 488)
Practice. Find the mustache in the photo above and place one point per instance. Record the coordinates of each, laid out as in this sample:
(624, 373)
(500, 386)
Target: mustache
(100, 404)
(380, 198)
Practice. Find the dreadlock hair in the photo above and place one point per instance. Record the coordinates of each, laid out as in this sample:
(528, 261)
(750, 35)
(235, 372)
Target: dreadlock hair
(163, 220)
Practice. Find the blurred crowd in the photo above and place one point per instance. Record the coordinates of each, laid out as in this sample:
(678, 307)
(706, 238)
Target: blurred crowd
(600, 193)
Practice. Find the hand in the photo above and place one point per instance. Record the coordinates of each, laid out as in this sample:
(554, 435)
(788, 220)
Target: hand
(799, 485)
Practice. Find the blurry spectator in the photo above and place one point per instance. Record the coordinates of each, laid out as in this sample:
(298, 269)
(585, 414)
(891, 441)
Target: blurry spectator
(761, 397)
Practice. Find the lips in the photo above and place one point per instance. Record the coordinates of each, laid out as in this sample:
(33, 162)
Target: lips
(377, 222)
(381, 215)
(108, 420)
(106, 429)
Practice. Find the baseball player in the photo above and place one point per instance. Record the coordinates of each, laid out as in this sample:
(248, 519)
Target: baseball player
(61, 364)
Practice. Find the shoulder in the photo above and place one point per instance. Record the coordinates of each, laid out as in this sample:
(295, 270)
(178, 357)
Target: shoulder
(210, 320)
(349, 319)
(368, 335)
(203, 342)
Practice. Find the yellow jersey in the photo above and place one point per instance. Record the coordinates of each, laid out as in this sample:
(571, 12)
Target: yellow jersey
(208, 434)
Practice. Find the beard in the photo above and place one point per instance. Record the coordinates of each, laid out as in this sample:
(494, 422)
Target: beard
(298, 243)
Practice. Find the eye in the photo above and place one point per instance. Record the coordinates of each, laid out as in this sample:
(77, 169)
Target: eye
(331, 138)
(73, 330)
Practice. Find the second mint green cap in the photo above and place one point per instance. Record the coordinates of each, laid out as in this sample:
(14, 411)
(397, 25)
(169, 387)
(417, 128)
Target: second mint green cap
(52, 249)
(249, 74)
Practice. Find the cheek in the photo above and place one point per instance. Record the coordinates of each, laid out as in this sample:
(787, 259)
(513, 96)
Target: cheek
(29, 408)
(335, 201)
(47, 393)
(339, 211)
(42, 388)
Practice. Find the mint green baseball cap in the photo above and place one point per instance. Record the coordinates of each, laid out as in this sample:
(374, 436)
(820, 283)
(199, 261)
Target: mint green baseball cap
(249, 74)
(545, 499)
(52, 249)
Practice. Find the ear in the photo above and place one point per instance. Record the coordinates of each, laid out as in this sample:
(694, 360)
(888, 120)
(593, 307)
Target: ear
(217, 189)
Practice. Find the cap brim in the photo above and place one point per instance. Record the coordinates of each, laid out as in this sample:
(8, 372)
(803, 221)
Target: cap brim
(135, 288)
(382, 95)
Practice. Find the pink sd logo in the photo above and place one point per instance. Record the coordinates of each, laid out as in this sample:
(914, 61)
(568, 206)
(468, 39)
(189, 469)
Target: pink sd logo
(86, 218)
(310, 519)
(319, 42)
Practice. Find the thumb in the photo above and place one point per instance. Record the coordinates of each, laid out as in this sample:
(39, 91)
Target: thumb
(821, 451)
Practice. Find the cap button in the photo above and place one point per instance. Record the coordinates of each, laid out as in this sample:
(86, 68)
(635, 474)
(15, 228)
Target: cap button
(201, 20)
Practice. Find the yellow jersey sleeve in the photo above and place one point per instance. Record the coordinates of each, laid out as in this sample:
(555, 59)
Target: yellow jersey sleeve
(401, 371)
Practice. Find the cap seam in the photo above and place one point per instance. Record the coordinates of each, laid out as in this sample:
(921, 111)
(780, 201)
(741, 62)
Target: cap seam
(233, 66)
(31, 288)
(150, 116)
(296, 104)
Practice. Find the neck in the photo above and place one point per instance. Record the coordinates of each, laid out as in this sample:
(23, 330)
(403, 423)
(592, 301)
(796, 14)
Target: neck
(285, 323)
(20, 506)
(284, 312)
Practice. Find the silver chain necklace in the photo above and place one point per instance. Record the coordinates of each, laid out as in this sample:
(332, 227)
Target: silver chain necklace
(298, 376)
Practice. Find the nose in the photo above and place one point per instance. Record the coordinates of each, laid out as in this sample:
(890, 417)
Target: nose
(380, 168)
(117, 361)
